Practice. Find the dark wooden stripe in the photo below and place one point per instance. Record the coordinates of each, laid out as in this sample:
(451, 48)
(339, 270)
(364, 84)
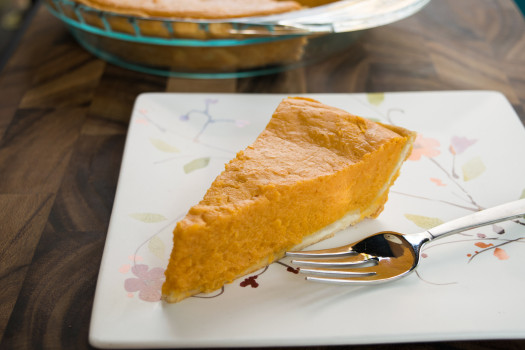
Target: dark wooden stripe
(22, 219)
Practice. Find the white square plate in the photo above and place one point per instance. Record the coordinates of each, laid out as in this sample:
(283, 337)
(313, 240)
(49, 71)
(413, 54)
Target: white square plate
(469, 286)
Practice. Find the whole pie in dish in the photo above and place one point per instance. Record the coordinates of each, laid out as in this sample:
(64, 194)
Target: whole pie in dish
(313, 171)
(187, 20)
(172, 19)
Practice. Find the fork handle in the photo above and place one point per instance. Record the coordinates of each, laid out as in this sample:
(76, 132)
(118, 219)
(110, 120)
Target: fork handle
(485, 217)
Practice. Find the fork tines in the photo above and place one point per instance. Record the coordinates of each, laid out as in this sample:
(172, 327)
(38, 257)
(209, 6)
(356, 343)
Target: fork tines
(336, 262)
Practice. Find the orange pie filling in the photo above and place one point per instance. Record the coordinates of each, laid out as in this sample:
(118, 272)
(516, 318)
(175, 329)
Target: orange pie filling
(313, 171)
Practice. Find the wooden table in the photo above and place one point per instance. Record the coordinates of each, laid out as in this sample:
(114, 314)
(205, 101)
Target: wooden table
(63, 121)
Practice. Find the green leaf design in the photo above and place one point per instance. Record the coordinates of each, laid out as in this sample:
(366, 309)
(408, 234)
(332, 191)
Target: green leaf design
(375, 98)
(157, 247)
(424, 222)
(522, 194)
(473, 168)
(195, 164)
(163, 146)
(148, 217)
(375, 120)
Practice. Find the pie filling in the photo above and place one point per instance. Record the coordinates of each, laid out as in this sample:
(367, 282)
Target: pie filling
(313, 171)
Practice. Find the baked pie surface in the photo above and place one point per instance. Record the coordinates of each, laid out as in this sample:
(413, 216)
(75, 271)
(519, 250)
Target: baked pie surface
(196, 9)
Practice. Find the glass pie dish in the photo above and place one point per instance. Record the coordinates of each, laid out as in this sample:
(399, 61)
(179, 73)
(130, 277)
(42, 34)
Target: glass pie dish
(226, 48)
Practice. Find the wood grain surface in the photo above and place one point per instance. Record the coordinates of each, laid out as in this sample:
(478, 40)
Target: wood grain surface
(63, 121)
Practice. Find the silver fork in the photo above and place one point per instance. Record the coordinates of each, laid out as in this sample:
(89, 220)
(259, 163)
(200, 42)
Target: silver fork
(388, 256)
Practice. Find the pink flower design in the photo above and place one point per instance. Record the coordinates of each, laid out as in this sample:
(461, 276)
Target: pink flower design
(500, 254)
(241, 123)
(424, 147)
(459, 144)
(438, 182)
(148, 282)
